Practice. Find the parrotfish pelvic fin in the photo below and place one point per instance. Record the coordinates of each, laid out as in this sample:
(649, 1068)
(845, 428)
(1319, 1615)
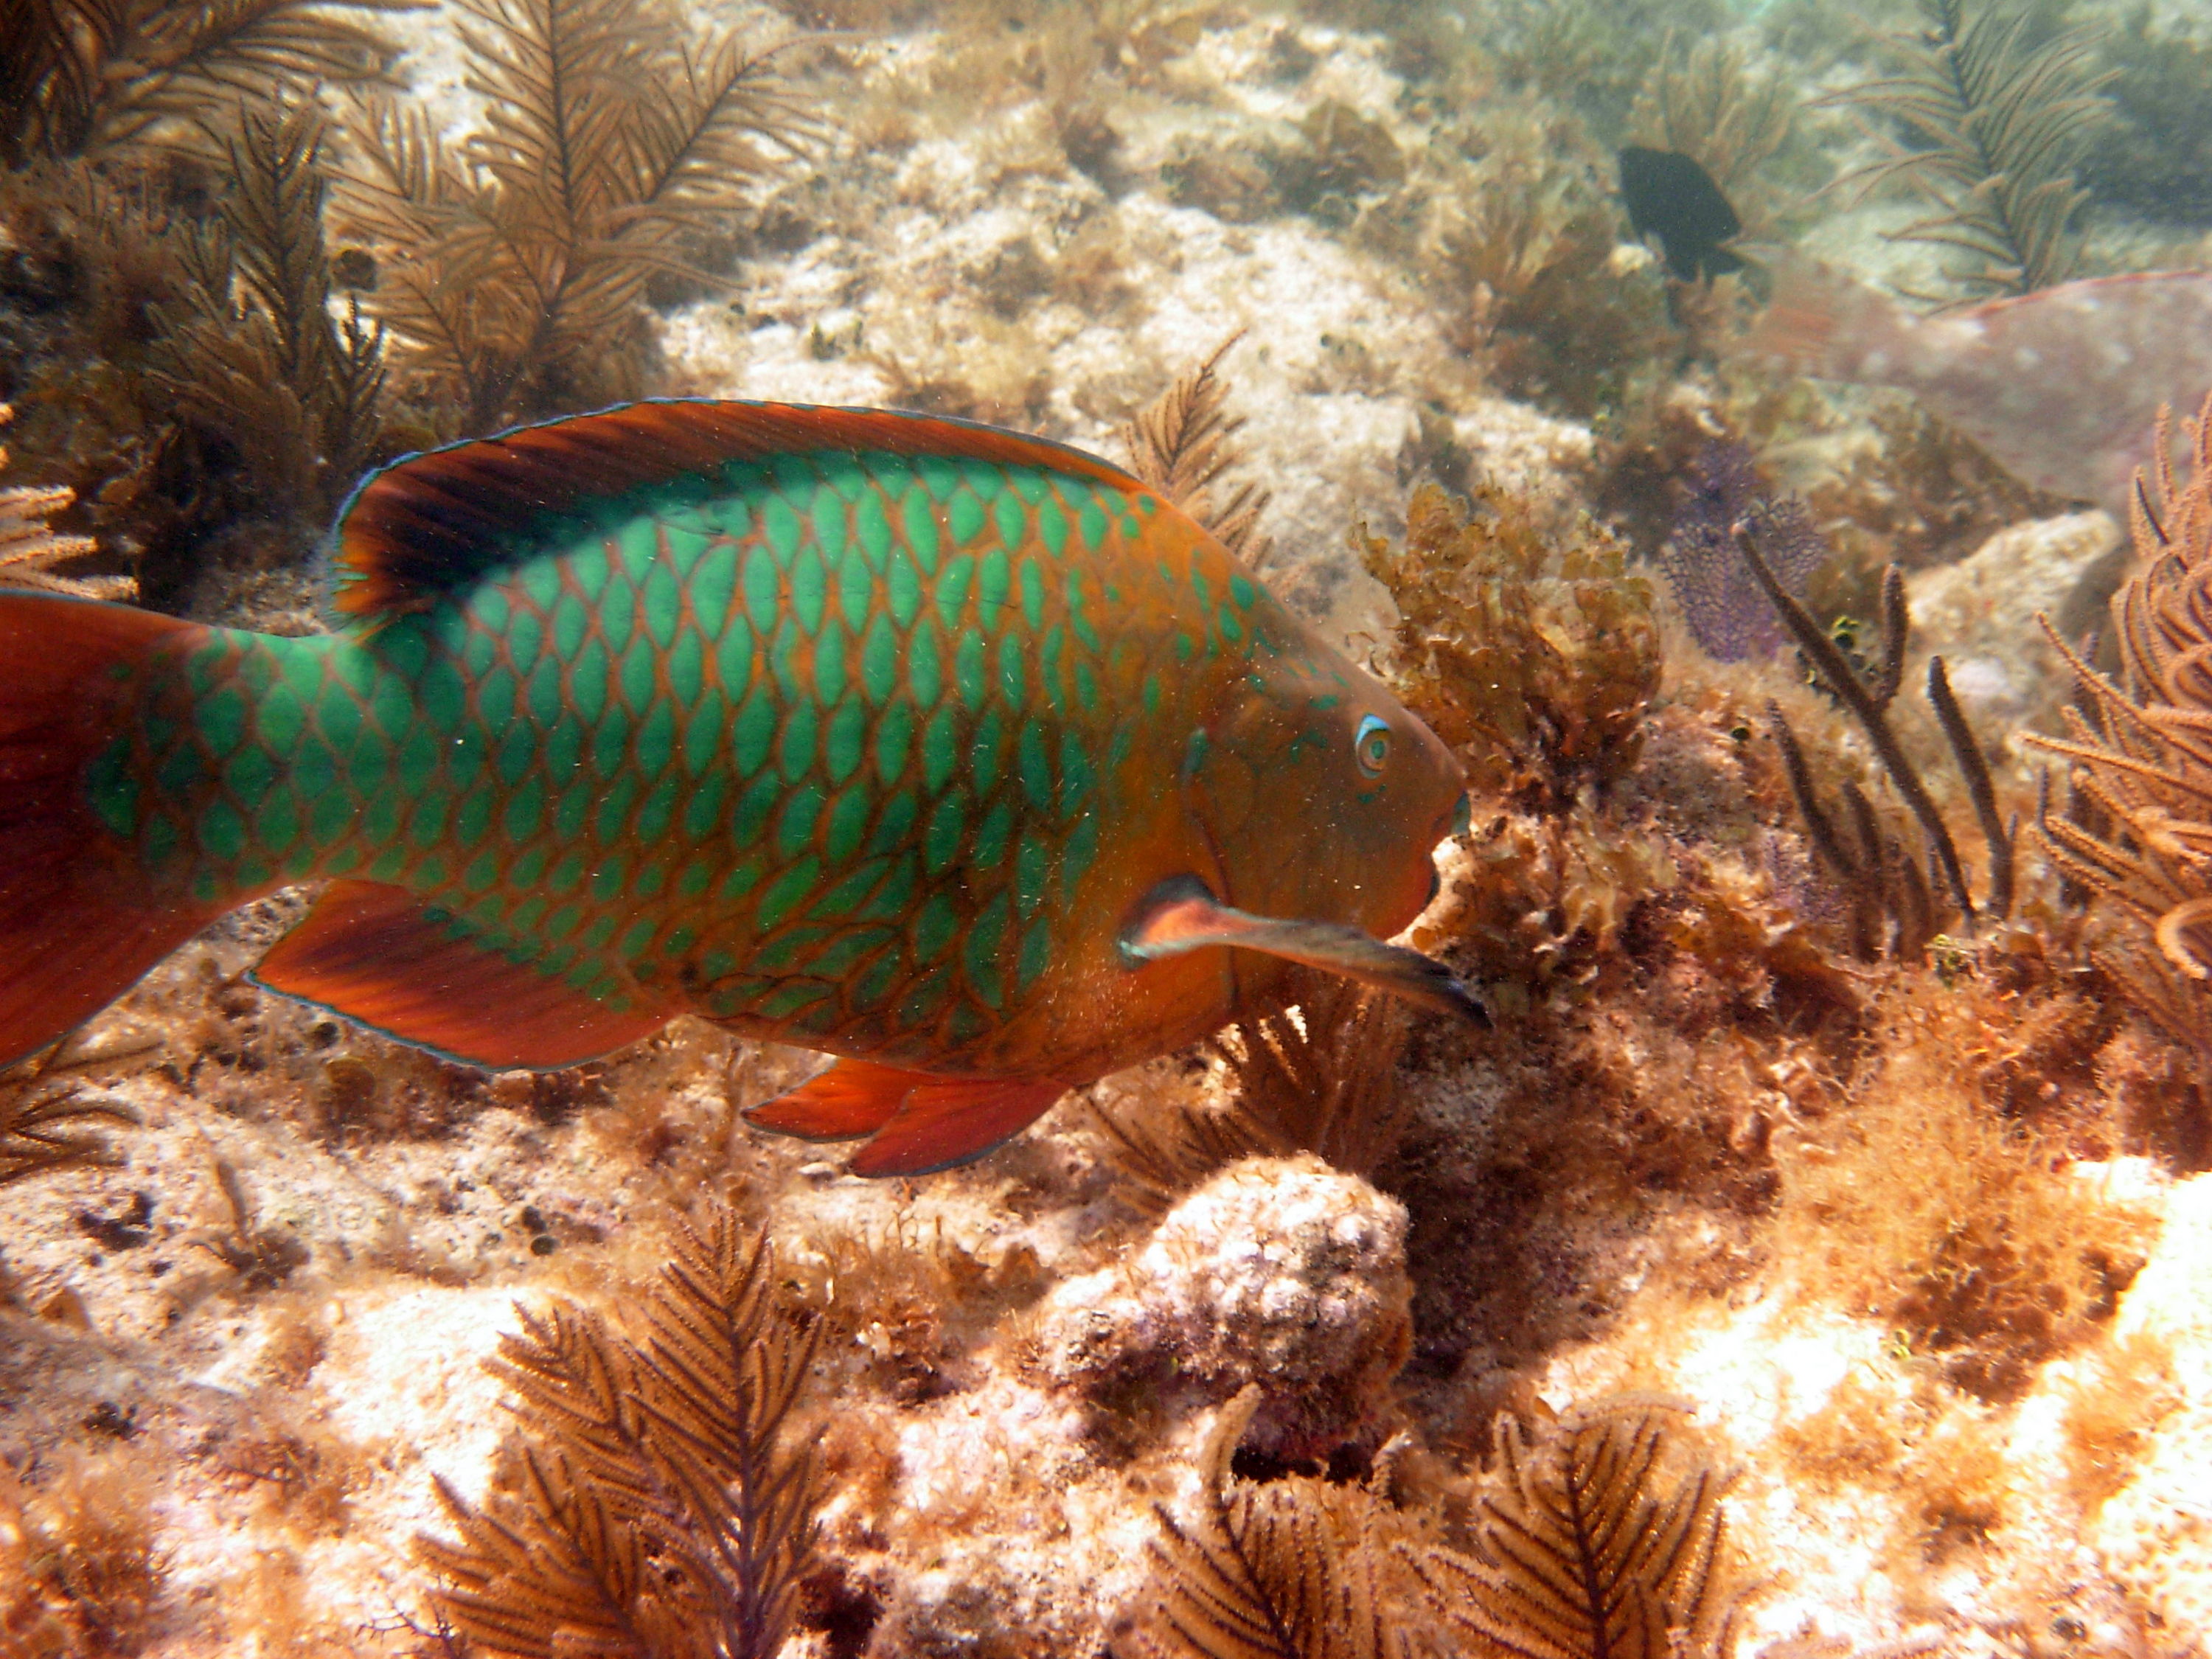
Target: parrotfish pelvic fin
(378, 955)
(918, 1123)
(1180, 914)
(429, 523)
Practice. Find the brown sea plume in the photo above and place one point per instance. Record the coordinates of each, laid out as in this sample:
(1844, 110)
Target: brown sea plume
(655, 1507)
(2137, 832)
(46, 1115)
(1183, 443)
(1320, 1077)
(1593, 1535)
(514, 265)
(86, 77)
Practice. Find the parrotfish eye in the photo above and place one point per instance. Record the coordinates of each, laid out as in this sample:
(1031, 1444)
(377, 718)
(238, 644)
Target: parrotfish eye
(1371, 744)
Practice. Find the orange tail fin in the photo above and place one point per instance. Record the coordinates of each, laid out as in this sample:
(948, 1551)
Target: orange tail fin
(76, 926)
(1821, 322)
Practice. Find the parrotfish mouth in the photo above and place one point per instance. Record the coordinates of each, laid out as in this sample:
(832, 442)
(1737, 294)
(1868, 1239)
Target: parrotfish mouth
(1458, 822)
(1180, 914)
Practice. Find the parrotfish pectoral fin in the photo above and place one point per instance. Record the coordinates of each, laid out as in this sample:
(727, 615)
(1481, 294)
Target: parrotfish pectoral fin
(919, 1124)
(378, 955)
(1180, 914)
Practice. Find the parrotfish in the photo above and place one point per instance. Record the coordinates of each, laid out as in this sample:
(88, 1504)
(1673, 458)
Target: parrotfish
(2061, 386)
(958, 754)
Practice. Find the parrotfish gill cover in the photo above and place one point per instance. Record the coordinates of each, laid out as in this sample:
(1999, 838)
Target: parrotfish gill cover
(949, 750)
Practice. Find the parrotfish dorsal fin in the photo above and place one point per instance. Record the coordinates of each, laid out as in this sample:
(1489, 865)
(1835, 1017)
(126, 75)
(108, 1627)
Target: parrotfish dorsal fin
(425, 524)
(1181, 915)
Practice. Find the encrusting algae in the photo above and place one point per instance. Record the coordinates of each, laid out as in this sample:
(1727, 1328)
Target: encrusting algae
(1805, 1255)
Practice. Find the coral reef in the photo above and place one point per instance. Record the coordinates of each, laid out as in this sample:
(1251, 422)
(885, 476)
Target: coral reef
(1823, 1247)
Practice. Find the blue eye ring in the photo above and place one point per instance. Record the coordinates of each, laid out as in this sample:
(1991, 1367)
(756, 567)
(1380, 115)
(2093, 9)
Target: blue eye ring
(1370, 744)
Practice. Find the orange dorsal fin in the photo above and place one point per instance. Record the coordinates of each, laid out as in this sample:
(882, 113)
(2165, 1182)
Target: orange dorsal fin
(918, 1124)
(378, 955)
(428, 524)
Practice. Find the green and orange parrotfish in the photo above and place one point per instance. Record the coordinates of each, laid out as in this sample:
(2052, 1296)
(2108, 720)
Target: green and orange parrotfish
(959, 753)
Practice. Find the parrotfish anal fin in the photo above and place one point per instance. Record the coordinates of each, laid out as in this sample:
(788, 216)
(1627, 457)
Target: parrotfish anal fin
(948, 1121)
(1181, 915)
(918, 1123)
(428, 524)
(376, 954)
(853, 1098)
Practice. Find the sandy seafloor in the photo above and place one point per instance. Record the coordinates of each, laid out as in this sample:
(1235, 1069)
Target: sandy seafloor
(280, 1439)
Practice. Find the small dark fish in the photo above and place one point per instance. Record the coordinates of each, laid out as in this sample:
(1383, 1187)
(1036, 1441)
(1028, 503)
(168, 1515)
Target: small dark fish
(1670, 197)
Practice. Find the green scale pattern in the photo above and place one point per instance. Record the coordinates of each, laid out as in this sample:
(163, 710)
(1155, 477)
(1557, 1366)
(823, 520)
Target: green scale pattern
(823, 745)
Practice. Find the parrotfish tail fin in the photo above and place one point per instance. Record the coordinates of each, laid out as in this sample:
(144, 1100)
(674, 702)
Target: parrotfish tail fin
(77, 923)
(1180, 915)
(1821, 322)
(918, 1124)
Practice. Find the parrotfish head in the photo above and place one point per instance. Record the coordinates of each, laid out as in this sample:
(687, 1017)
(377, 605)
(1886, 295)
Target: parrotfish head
(1321, 795)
